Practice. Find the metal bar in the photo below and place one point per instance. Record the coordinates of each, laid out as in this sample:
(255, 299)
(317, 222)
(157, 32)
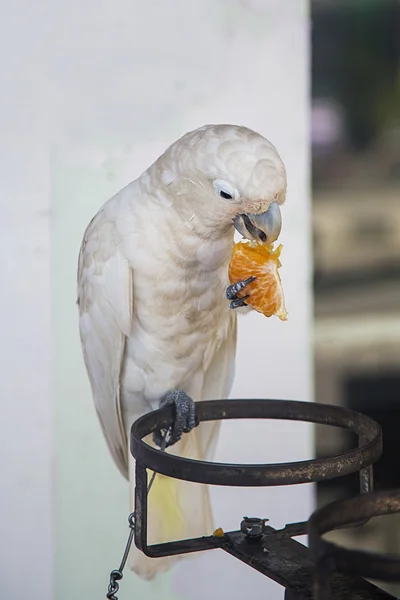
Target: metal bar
(289, 563)
(346, 512)
(182, 547)
(293, 529)
(366, 480)
(141, 507)
(281, 559)
(141, 517)
(366, 474)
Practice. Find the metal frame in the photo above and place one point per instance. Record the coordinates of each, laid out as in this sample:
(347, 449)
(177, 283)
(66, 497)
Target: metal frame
(359, 459)
(273, 553)
(330, 557)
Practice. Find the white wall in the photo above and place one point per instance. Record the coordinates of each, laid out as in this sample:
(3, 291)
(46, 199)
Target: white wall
(26, 458)
(97, 91)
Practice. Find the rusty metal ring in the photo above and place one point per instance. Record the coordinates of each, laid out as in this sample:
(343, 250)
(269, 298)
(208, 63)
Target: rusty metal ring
(255, 475)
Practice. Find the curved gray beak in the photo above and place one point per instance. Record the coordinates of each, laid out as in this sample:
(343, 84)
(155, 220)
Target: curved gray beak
(264, 227)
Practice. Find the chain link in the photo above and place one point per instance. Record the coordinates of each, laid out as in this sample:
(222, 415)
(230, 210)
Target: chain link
(117, 574)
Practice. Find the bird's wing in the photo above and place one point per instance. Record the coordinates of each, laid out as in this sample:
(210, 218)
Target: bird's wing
(105, 300)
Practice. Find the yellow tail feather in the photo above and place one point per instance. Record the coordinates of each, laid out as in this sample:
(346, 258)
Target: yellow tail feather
(164, 501)
(176, 509)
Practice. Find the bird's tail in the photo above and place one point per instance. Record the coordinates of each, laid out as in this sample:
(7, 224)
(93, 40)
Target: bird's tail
(176, 509)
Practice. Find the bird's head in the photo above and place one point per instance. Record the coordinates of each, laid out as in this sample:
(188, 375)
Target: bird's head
(221, 176)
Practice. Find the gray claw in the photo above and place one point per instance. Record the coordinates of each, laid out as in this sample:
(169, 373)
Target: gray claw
(237, 302)
(185, 417)
(233, 290)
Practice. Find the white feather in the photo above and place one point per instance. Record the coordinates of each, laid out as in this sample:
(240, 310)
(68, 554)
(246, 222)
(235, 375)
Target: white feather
(105, 306)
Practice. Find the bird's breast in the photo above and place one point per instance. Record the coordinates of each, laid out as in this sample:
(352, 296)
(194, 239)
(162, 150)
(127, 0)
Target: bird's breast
(181, 315)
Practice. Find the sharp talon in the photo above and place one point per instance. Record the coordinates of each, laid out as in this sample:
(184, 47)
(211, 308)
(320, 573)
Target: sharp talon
(158, 437)
(249, 280)
(185, 417)
(238, 302)
(233, 290)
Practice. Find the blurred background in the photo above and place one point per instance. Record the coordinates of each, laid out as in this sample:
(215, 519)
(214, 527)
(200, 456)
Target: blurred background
(355, 137)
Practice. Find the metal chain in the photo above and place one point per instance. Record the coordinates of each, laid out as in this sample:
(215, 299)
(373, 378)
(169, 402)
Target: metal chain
(117, 574)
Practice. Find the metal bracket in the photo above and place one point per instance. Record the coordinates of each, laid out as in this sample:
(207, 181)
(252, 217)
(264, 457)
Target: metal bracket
(273, 553)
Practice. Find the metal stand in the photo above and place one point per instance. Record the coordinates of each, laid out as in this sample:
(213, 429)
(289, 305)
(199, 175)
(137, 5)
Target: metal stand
(329, 557)
(306, 574)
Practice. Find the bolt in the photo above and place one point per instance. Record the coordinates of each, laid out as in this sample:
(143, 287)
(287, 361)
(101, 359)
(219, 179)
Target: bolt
(253, 527)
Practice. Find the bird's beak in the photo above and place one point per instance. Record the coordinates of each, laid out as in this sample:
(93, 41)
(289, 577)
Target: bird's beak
(264, 227)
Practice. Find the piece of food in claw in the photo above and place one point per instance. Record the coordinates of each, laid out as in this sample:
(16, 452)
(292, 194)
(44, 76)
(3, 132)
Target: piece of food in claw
(261, 261)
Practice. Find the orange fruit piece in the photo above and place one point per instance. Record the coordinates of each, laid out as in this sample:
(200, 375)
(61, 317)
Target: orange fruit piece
(219, 533)
(261, 261)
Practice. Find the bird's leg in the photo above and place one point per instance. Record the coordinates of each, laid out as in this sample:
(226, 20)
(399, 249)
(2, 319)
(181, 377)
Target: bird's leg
(185, 417)
(233, 290)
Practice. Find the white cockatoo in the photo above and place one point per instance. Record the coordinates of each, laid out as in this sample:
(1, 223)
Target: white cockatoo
(155, 305)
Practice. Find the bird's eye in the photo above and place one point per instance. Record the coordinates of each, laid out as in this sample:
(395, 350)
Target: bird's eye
(225, 190)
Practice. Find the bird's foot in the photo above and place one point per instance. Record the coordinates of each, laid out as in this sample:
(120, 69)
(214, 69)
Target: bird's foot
(185, 418)
(233, 290)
